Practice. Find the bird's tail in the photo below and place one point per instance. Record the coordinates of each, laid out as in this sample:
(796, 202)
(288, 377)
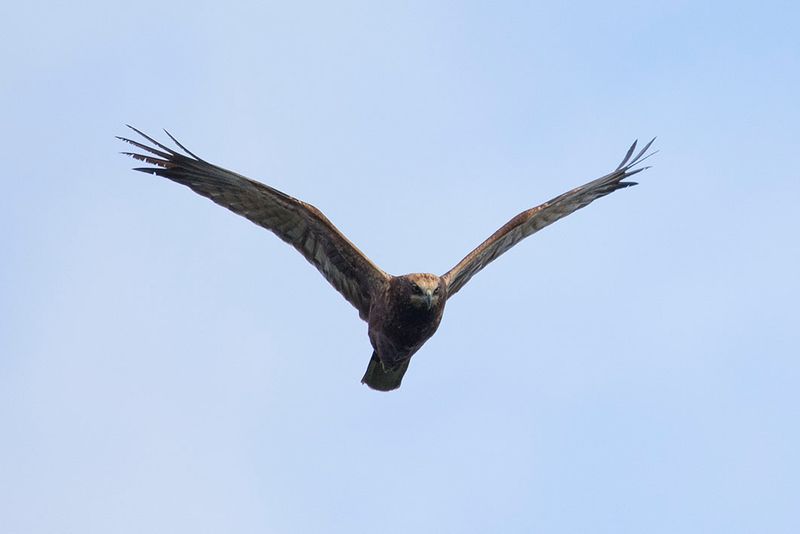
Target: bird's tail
(383, 380)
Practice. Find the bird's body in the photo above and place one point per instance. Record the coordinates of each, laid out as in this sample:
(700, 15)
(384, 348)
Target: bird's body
(405, 315)
(402, 312)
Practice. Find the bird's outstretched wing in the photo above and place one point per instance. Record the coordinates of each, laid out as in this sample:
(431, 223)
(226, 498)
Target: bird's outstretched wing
(534, 219)
(301, 225)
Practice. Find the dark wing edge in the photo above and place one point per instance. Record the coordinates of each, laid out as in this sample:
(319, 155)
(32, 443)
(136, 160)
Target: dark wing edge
(531, 221)
(300, 224)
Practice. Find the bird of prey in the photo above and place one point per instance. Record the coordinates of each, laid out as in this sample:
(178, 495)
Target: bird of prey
(402, 312)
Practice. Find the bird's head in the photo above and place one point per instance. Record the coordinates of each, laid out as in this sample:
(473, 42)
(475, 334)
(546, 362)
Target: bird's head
(426, 291)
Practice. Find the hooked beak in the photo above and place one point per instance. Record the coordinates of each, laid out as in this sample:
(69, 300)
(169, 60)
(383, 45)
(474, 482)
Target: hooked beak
(429, 298)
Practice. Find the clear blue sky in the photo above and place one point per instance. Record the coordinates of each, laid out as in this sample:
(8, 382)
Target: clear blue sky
(166, 366)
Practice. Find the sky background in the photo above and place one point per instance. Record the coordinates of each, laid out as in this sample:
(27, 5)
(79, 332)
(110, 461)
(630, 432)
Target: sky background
(166, 366)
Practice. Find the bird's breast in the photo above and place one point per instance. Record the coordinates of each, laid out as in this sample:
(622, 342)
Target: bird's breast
(407, 328)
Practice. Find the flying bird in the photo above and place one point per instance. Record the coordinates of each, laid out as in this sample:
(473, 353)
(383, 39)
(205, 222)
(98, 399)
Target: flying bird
(402, 312)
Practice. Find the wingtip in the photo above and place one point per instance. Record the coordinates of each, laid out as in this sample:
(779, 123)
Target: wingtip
(628, 155)
(642, 152)
(137, 130)
(147, 170)
(180, 145)
(630, 160)
(635, 171)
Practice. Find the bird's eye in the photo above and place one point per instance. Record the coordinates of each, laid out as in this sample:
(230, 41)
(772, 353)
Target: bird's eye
(417, 289)
(436, 291)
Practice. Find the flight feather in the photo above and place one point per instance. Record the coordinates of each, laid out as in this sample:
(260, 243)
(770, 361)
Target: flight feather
(531, 221)
(296, 222)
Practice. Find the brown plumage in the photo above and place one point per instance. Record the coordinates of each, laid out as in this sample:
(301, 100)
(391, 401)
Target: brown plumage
(402, 312)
